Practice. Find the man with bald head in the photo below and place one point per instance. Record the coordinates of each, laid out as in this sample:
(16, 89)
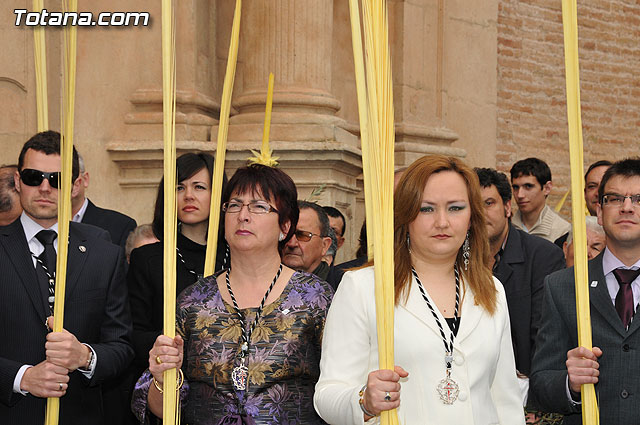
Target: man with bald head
(10, 207)
(596, 241)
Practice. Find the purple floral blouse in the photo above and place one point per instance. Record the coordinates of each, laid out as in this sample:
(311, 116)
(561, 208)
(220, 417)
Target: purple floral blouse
(283, 361)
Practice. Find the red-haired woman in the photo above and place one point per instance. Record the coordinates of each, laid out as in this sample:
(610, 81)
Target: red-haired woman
(451, 330)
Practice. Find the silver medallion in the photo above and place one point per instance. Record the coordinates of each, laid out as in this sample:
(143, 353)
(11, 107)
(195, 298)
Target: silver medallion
(448, 390)
(239, 377)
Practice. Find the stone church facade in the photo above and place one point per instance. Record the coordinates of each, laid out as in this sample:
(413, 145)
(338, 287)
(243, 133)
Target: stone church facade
(479, 80)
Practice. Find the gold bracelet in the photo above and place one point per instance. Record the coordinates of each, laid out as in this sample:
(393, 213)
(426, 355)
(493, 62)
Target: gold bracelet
(178, 384)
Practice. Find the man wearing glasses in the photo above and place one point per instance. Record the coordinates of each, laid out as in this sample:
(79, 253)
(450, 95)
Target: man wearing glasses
(310, 243)
(560, 367)
(95, 345)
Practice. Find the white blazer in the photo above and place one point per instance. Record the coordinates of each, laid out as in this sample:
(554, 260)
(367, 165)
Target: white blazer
(483, 367)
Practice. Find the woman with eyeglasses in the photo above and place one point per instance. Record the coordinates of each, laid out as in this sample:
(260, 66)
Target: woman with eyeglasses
(248, 337)
(145, 274)
(452, 340)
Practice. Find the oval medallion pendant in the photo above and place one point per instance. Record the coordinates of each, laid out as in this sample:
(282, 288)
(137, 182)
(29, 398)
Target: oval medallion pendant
(448, 390)
(239, 377)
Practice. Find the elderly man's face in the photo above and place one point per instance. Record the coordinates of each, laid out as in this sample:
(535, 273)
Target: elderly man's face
(12, 197)
(595, 244)
(306, 254)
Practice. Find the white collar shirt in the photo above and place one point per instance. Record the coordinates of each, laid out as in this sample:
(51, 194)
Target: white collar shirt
(79, 216)
(31, 229)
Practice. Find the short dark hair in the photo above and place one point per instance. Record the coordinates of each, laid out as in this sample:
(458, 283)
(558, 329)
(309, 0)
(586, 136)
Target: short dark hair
(335, 213)
(490, 176)
(275, 185)
(7, 186)
(629, 167)
(187, 165)
(323, 218)
(601, 163)
(532, 167)
(48, 142)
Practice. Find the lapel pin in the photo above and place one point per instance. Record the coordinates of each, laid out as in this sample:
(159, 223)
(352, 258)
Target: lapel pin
(82, 248)
(594, 283)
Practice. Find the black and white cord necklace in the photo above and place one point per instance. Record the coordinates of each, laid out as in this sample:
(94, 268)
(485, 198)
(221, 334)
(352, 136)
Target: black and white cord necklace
(240, 373)
(447, 388)
(184, 263)
(51, 279)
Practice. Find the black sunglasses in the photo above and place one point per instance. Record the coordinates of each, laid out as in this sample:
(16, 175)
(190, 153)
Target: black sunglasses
(32, 177)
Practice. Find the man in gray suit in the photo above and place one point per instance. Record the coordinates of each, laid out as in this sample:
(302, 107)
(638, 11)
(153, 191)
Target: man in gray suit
(560, 367)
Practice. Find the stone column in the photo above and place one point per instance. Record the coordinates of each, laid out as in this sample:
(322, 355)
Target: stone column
(293, 39)
(138, 148)
(422, 126)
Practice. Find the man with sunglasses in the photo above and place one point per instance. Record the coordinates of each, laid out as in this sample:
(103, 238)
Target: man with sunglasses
(560, 367)
(95, 343)
(310, 243)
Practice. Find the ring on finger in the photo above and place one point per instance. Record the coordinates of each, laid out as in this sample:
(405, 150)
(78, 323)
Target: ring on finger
(387, 396)
(60, 386)
(158, 360)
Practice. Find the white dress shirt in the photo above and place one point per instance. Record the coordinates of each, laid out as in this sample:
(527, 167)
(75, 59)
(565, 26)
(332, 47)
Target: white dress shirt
(80, 214)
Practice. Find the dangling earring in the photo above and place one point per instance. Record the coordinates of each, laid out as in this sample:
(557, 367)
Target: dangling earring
(281, 237)
(408, 243)
(466, 252)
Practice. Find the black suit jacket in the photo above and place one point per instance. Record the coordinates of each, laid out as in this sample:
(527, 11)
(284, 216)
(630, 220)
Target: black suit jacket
(336, 272)
(117, 224)
(618, 389)
(96, 312)
(525, 262)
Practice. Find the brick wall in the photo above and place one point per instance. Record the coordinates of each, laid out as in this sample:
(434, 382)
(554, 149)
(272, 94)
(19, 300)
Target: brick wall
(531, 84)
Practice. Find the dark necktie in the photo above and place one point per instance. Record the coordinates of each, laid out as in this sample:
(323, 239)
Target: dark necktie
(48, 258)
(624, 298)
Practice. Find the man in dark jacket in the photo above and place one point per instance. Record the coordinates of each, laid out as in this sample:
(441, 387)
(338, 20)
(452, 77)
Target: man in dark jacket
(95, 345)
(521, 262)
(84, 211)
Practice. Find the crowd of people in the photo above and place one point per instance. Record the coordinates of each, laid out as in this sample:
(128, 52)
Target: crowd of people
(485, 325)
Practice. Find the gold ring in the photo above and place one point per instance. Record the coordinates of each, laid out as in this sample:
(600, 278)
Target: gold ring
(60, 385)
(158, 360)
